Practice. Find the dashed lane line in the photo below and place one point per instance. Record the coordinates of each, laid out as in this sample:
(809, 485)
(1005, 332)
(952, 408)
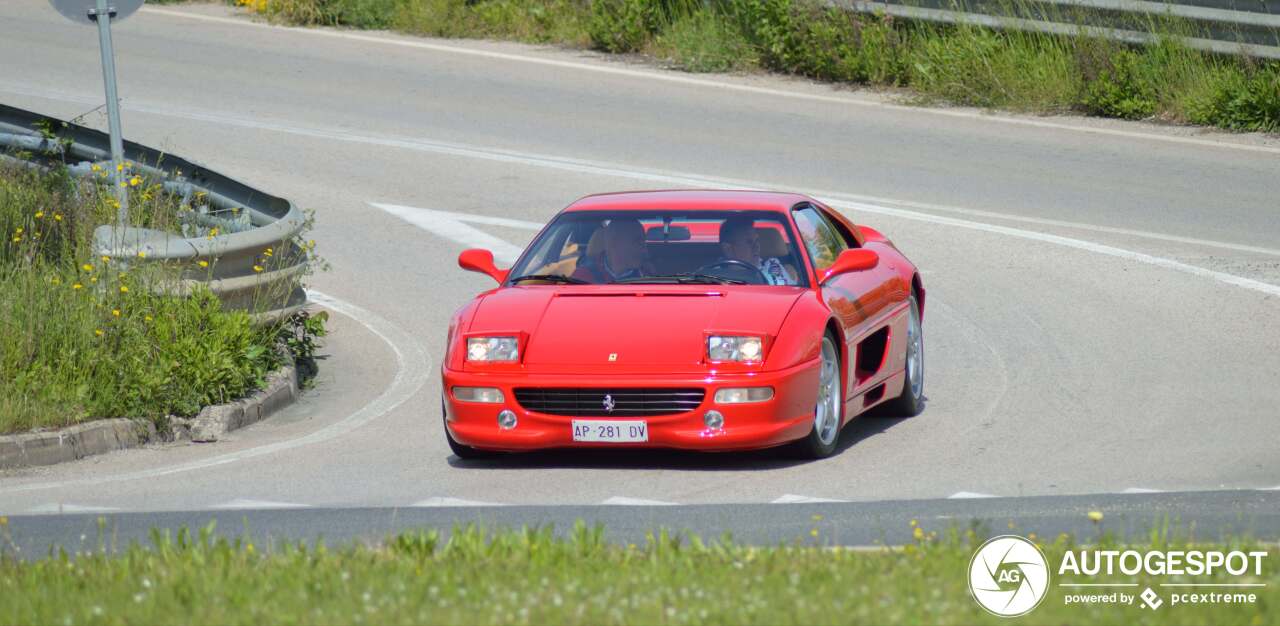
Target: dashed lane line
(241, 504)
(444, 501)
(625, 501)
(968, 495)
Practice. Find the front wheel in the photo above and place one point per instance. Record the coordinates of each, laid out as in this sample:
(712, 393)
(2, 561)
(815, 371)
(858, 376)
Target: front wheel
(461, 451)
(829, 408)
(911, 402)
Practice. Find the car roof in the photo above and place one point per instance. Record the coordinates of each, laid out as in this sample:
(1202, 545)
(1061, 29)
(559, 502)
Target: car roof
(690, 200)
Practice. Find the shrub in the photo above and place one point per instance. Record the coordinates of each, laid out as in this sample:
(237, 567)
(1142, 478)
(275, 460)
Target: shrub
(705, 42)
(82, 337)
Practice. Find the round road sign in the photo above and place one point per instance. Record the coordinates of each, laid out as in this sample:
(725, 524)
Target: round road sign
(78, 10)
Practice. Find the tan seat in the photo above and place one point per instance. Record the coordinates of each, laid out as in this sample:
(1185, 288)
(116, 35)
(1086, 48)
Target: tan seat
(567, 265)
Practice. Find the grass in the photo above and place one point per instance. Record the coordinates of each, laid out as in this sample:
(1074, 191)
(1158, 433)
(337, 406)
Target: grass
(85, 337)
(532, 576)
(955, 64)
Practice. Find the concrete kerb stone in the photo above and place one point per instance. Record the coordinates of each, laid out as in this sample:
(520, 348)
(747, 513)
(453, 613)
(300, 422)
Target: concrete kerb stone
(98, 437)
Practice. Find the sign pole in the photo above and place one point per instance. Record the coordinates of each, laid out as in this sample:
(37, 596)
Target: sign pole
(102, 14)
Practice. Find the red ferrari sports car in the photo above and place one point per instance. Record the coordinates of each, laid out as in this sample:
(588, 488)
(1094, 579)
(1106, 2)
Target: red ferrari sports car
(708, 320)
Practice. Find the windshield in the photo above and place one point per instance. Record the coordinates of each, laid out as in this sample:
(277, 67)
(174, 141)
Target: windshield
(664, 247)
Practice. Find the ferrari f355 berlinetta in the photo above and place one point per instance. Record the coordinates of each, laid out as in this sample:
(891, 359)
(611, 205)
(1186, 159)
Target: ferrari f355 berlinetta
(706, 320)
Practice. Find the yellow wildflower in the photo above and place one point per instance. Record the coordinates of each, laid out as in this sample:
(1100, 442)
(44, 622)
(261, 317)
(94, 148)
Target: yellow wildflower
(87, 267)
(268, 252)
(77, 286)
(95, 167)
(119, 167)
(115, 312)
(17, 239)
(105, 258)
(124, 289)
(1095, 516)
(57, 217)
(147, 318)
(97, 331)
(142, 255)
(39, 214)
(124, 184)
(93, 279)
(257, 268)
(918, 533)
(135, 181)
(18, 232)
(55, 280)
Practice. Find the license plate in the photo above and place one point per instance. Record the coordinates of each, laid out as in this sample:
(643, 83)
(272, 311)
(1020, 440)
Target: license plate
(610, 431)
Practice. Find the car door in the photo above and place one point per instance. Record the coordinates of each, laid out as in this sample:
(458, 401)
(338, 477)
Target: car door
(862, 300)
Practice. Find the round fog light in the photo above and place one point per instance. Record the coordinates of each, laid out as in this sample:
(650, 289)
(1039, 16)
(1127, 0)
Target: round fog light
(506, 419)
(714, 420)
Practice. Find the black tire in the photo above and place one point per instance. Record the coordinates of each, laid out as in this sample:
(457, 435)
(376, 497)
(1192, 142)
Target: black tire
(911, 402)
(813, 446)
(461, 451)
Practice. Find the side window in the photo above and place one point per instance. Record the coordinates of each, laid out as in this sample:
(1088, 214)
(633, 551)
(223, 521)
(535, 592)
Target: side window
(849, 240)
(820, 238)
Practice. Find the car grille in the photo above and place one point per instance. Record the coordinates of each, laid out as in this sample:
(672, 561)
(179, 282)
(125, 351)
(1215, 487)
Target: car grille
(627, 401)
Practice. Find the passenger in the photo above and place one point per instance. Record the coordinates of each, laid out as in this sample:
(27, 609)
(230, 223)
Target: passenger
(739, 241)
(623, 256)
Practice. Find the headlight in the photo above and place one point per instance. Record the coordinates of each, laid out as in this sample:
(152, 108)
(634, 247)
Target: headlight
(739, 395)
(733, 348)
(492, 349)
(487, 395)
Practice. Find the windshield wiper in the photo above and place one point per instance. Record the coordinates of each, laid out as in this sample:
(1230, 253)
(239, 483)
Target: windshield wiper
(553, 278)
(683, 278)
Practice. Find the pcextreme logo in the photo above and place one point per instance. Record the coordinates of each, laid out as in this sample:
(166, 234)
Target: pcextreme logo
(1008, 576)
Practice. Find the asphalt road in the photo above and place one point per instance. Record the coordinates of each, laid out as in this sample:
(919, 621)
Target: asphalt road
(1104, 311)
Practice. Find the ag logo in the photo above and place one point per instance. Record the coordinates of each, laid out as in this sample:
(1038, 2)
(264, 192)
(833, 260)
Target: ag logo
(1008, 576)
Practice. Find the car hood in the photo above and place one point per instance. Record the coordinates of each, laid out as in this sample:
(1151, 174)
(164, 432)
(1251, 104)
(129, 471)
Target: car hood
(617, 329)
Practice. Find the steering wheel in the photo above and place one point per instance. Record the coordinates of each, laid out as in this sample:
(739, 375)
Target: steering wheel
(756, 277)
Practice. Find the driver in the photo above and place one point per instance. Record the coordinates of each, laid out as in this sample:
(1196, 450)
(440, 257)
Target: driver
(623, 257)
(740, 242)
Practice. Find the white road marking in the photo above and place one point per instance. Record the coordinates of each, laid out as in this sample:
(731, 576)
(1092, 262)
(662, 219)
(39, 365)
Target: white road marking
(413, 367)
(837, 199)
(444, 224)
(964, 495)
(625, 501)
(244, 503)
(791, 498)
(60, 508)
(684, 79)
(1142, 490)
(447, 501)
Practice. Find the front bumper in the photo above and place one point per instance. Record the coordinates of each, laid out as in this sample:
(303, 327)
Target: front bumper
(786, 417)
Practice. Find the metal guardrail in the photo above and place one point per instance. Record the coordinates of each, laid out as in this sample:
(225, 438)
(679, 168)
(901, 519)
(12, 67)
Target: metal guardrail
(1243, 27)
(248, 221)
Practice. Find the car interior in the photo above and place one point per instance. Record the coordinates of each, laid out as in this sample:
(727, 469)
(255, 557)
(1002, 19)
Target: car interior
(677, 248)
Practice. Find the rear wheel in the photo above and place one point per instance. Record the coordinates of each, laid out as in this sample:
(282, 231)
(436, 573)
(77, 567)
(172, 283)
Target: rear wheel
(829, 409)
(911, 402)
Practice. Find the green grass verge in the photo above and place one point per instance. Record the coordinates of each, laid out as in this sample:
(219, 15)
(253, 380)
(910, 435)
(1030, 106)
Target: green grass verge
(533, 577)
(956, 64)
(81, 338)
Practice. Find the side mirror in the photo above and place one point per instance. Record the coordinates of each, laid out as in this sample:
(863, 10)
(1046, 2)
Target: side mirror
(481, 260)
(852, 260)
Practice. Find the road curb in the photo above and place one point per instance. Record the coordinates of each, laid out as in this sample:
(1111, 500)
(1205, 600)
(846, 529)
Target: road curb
(98, 437)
